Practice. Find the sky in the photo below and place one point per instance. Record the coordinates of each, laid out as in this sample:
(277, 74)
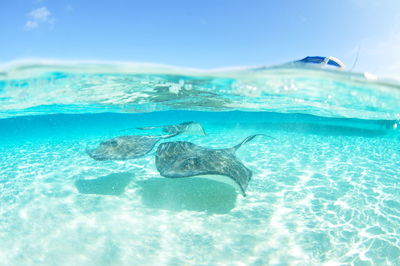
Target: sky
(204, 34)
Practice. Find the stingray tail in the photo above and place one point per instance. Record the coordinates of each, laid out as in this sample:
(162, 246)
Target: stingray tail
(249, 138)
(149, 128)
(170, 135)
(140, 128)
(155, 127)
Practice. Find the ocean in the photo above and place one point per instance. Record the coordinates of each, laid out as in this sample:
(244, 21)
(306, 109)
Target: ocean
(324, 190)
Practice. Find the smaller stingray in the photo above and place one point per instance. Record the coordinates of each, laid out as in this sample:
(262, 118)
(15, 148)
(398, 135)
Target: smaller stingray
(133, 146)
(184, 159)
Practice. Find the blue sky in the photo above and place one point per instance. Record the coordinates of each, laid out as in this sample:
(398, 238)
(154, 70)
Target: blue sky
(204, 34)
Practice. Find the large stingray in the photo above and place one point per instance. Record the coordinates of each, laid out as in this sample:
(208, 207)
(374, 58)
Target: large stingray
(133, 146)
(185, 159)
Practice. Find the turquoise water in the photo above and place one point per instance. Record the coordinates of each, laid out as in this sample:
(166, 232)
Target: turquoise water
(325, 189)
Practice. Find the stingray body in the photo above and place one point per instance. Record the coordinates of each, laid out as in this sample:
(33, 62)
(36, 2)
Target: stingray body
(135, 146)
(184, 159)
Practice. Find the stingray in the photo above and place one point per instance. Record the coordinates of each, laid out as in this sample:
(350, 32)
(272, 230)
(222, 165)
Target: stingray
(184, 159)
(135, 146)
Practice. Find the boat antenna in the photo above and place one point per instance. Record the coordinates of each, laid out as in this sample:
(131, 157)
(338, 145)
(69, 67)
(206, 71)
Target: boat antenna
(356, 59)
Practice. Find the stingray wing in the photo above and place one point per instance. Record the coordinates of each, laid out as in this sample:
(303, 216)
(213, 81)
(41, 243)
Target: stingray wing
(123, 148)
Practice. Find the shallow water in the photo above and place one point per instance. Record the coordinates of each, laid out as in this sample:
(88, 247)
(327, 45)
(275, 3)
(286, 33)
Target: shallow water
(324, 190)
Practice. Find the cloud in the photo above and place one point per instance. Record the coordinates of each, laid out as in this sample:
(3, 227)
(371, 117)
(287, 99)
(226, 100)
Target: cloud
(31, 24)
(37, 17)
